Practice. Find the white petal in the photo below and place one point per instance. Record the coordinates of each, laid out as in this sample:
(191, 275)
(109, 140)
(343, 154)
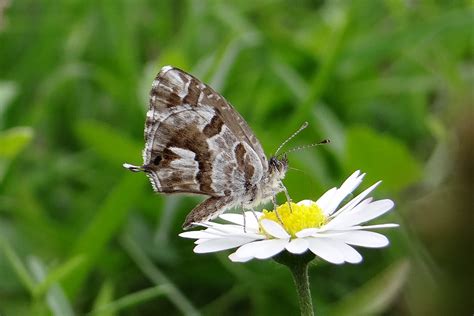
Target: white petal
(350, 254)
(307, 232)
(274, 229)
(224, 229)
(235, 258)
(249, 237)
(246, 235)
(347, 187)
(325, 199)
(352, 203)
(229, 229)
(363, 239)
(272, 249)
(339, 221)
(250, 220)
(200, 241)
(297, 246)
(367, 213)
(197, 234)
(388, 225)
(262, 249)
(325, 249)
(213, 245)
(233, 218)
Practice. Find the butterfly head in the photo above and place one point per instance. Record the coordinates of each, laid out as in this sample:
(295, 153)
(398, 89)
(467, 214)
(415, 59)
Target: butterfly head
(278, 166)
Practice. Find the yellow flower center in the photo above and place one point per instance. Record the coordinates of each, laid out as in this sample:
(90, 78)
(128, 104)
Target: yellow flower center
(305, 215)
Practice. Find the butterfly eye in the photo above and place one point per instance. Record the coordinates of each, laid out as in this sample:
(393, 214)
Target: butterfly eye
(273, 161)
(157, 160)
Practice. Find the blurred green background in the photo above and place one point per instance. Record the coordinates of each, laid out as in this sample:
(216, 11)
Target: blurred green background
(389, 82)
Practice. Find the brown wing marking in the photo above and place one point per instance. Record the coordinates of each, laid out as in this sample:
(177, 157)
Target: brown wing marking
(243, 164)
(181, 178)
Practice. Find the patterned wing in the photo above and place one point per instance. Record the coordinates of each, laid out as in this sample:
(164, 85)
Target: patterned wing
(195, 141)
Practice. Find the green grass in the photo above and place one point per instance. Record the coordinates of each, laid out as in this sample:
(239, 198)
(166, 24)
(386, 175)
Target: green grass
(389, 82)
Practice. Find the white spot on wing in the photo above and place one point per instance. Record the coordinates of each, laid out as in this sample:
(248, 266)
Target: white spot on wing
(186, 162)
(175, 79)
(183, 92)
(166, 68)
(207, 113)
(183, 153)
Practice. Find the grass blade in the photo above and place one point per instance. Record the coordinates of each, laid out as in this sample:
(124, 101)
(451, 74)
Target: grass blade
(131, 300)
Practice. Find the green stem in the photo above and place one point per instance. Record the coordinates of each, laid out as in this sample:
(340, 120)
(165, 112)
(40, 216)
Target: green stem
(298, 265)
(300, 276)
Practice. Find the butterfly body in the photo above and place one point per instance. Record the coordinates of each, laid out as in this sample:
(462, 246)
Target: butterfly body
(196, 142)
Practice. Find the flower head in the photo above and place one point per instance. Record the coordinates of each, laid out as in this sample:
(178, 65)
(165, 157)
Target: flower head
(318, 226)
(296, 217)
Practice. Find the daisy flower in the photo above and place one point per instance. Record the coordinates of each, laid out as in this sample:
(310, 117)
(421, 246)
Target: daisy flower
(321, 226)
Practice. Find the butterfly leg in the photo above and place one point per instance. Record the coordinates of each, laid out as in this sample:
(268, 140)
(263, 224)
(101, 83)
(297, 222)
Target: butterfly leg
(275, 209)
(288, 198)
(245, 220)
(254, 214)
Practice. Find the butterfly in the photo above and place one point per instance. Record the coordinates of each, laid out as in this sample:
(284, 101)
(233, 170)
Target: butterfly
(196, 142)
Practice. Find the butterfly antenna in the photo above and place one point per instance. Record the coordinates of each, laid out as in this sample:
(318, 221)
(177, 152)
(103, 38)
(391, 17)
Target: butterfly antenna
(305, 124)
(323, 142)
(292, 168)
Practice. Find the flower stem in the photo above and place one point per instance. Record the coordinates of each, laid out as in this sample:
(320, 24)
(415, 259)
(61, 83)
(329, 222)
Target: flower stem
(300, 276)
(298, 265)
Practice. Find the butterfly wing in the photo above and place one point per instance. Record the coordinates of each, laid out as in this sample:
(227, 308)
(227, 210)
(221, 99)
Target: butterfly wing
(195, 140)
